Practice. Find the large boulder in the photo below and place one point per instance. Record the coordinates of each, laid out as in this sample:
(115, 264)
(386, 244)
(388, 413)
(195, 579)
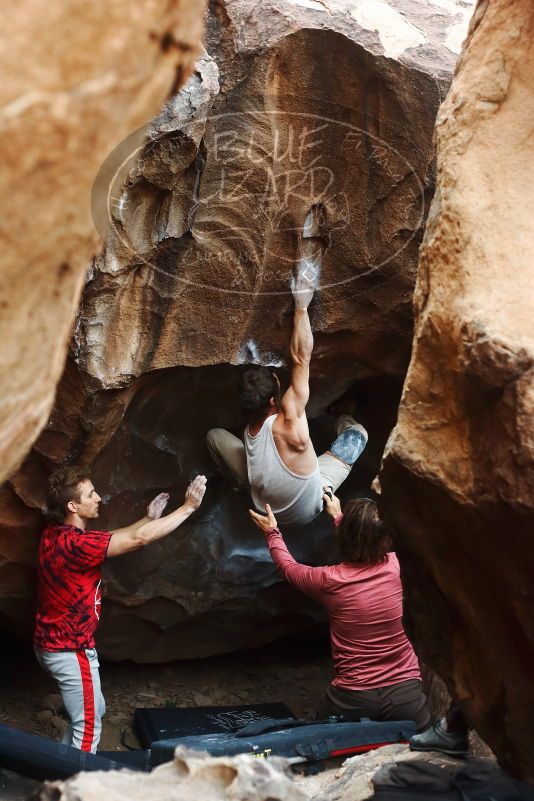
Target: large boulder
(75, 81)
(205, 234)
(458, 476)
(193, 285)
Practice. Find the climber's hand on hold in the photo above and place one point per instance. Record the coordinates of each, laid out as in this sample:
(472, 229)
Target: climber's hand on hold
(264, 522)
(303, 285)
(157, 506)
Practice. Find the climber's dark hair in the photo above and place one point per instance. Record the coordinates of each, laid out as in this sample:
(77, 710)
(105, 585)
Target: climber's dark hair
(361, 534)
(256, 388)
(63, 486)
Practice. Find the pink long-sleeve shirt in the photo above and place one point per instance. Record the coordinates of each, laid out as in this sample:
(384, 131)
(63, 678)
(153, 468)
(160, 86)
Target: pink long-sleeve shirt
(364, 603)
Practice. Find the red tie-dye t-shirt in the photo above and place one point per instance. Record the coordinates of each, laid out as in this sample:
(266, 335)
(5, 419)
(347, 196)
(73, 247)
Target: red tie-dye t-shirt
(69, 576)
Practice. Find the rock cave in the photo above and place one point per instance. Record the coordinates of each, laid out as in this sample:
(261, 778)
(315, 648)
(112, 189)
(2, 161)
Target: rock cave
(416, 148)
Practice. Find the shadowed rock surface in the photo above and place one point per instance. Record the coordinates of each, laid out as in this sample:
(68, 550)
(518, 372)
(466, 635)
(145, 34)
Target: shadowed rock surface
(75, 82)
(193, 284)
(458, 474)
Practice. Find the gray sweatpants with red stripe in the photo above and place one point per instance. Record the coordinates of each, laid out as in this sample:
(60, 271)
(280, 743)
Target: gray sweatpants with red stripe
(76, 673)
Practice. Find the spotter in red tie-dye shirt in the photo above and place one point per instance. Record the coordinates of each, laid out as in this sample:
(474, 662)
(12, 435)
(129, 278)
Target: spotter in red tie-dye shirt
(69, 575)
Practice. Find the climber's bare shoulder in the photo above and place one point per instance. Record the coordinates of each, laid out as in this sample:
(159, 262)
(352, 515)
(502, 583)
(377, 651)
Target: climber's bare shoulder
(292, 439)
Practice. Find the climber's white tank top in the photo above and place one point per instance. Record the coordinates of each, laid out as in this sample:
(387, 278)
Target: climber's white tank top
(293, 498)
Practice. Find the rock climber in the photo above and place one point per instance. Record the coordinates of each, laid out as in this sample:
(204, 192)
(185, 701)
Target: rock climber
(277, 460)
(376, 670)
(69, 597)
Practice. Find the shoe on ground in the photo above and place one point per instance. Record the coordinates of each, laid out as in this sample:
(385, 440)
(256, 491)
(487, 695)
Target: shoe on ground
(437, 739)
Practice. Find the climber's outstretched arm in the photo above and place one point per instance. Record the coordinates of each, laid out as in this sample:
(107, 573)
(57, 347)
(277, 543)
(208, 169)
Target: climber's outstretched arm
(293, 403)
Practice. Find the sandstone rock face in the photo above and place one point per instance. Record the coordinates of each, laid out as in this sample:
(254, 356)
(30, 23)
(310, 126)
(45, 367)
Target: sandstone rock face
(193, 285)
(458, 478)
(205, 234)
(74, 84)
